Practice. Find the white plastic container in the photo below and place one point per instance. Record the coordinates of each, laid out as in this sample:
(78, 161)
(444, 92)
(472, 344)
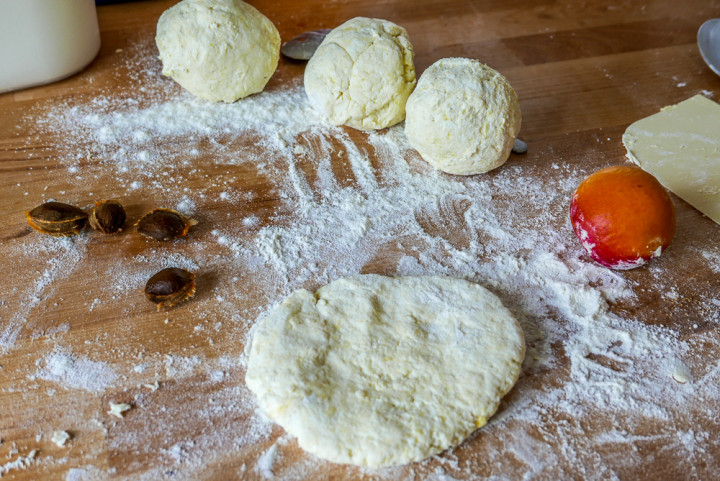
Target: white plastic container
(42, 41)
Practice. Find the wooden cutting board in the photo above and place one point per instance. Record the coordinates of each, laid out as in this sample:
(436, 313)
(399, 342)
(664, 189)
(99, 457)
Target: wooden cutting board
(77, 333)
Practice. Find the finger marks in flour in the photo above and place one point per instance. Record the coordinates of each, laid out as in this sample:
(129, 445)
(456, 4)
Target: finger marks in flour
(445, 218)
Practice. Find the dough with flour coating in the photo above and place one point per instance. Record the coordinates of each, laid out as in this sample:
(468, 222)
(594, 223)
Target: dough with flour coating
(379, 371)
(463, 117)
(220, 50)
(361, 74)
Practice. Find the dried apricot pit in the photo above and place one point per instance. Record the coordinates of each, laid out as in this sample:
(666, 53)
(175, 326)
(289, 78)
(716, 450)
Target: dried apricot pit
(57, 219)
(170, 286)
(108, 217)
(164, 224)
(623, 216)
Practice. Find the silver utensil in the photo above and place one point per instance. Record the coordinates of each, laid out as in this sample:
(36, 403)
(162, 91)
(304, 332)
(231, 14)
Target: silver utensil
(708, 39)
(519, 147)
(304, 45)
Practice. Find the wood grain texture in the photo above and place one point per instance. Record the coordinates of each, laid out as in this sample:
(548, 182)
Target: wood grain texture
(583, 70)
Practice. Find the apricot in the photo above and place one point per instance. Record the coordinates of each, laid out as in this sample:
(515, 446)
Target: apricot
(622, 216)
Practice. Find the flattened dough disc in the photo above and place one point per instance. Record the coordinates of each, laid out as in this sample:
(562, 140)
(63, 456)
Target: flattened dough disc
(379, 371)
(680, 146)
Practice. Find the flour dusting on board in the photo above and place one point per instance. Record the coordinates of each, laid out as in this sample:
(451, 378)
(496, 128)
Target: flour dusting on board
(55, 259)
(344, 203)
(77, 373)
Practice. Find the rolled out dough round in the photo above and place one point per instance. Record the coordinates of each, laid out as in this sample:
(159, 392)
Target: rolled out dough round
(220, 50)
(463, 117)
(378, 371)
(361, 74)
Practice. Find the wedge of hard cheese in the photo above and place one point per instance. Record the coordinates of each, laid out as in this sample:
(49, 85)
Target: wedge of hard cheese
(680, 146)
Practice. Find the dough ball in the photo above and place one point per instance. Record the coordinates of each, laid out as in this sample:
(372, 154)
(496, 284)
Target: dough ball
(463, 117)
(362, 74)
(220, 50)
(378, 371)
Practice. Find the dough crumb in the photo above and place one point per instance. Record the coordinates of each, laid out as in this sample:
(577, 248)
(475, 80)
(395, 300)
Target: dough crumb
(60, 438)
(153, 387)
(117, 409)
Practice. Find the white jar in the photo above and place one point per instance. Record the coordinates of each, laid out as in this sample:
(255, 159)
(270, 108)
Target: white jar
(42, 41)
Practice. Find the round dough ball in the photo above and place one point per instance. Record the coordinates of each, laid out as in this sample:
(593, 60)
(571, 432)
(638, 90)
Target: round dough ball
(378, 371)
(220, 50)
(362, 74)
(463, 117)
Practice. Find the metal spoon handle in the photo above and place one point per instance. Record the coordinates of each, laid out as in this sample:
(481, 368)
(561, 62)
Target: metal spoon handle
(519, 147)
(304, 45)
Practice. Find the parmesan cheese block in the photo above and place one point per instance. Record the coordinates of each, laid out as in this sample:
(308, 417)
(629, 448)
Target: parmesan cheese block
(379, 371)
(680, 146)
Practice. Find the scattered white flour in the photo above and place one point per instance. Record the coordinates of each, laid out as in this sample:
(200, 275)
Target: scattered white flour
(603, 388)
(77, 373)
(20, 462)
(266, 461)
(59, 258)
(179, 451)
(713, 259)
(176, 366)
(186, 206)
(89, 473)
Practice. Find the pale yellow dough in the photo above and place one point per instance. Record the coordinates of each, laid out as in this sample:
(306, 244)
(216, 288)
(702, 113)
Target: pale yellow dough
(680, 146)
(379, 371)
(220, 50)
(362, 74)
(463, 117)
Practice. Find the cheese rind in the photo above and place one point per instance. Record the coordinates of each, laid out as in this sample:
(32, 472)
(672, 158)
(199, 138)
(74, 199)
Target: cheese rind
(680, 146)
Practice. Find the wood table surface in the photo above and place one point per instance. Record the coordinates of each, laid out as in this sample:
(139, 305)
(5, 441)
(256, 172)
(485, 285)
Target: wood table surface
(583, 70)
